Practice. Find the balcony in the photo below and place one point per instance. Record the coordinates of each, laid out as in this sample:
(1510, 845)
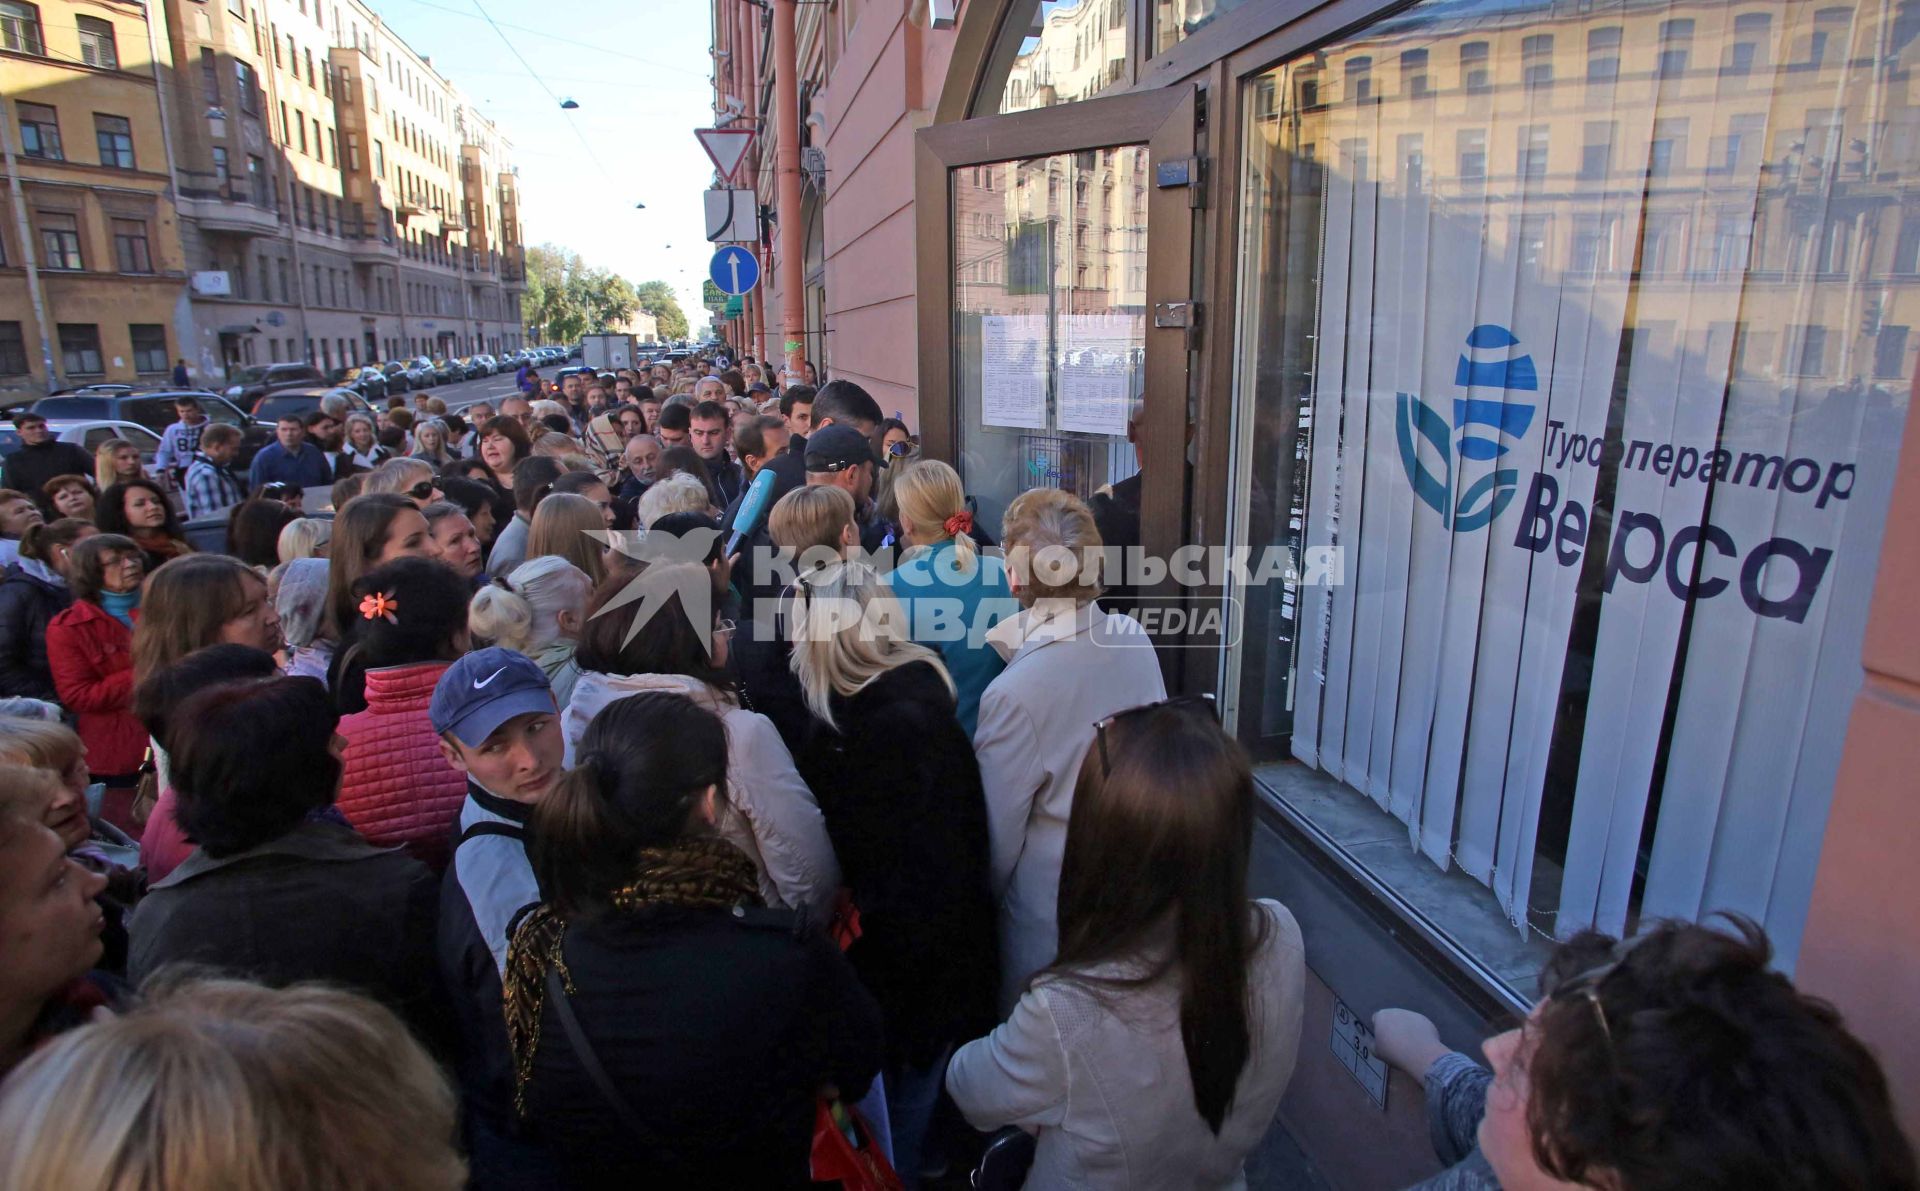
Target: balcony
(228, 208)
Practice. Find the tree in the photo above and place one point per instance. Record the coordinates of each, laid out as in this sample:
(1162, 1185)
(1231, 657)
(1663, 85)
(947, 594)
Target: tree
(608, 298)
(553, 307)
(656, 298)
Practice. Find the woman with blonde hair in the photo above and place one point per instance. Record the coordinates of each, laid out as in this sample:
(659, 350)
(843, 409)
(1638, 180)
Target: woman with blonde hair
(222, 1083)
(306, 538)
(561, 525)
(676, 493)
(537, 610)
(117, 461)
(952, 593)
(411, 477)
(816, 525)
(1070, 663)
(430, 443)
(900, 789)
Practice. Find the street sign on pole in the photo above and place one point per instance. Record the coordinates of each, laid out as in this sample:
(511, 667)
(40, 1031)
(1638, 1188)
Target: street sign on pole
(733, 217)
(734, 270)
(727, 147)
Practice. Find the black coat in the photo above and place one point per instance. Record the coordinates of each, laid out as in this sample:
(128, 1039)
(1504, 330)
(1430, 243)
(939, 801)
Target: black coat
(900, 790)
(30, 467)
(27, 603)
(718, 1027)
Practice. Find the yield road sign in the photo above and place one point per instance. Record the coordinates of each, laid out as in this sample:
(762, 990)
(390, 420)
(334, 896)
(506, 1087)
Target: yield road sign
(734, 270)
(727, 147)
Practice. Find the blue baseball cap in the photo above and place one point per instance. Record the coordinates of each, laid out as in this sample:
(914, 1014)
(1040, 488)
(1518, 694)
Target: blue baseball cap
(485, 689)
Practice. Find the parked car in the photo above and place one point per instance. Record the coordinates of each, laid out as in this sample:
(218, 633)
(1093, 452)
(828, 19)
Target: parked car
(490, 363)
(88, 434)
(430, 367)
(301, 402)
(150, 408)
(252, 383)
(448, 372)
(399, 378)
(370, 383)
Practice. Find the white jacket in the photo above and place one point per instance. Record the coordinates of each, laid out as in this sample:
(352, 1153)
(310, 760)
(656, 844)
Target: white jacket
(772, 816)
(1066, 668)
(1102, 1078)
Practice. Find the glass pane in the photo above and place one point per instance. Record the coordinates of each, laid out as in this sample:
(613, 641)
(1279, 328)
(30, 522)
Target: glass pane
(1055, 51)
(1049, 321)
(1582, 380)
(1176, 20)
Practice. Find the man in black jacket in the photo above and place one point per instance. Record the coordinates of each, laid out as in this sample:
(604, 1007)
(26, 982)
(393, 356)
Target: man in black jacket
(40, 458)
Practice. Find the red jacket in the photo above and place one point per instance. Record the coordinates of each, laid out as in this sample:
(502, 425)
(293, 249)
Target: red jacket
(398, 788)
(91, 655)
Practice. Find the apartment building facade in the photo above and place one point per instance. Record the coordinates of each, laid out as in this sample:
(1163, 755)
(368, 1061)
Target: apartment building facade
(342, 201)
(91, 271)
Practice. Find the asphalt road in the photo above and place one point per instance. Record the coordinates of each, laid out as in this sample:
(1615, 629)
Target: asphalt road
(458, 397)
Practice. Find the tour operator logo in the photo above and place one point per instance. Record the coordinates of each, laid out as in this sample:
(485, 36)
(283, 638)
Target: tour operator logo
(1496, 380)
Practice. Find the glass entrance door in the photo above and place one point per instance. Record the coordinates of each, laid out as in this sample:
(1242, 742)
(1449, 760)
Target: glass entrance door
(1048, 358)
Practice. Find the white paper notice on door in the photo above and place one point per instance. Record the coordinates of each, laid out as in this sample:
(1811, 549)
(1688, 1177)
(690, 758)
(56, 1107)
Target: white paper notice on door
(1013, 370)
(1097, 353)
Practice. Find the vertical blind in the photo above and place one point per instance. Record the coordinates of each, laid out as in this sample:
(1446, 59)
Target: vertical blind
(1609, 373)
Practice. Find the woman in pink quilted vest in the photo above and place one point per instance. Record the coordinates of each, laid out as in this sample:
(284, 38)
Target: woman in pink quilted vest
(398, 788)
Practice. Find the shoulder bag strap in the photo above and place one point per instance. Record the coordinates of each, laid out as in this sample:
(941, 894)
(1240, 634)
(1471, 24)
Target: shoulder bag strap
(590, 1062)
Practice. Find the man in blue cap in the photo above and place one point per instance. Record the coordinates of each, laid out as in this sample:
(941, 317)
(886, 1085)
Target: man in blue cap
(495, 714)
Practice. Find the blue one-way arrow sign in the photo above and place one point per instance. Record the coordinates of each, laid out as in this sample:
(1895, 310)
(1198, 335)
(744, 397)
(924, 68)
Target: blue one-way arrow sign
(734, 270)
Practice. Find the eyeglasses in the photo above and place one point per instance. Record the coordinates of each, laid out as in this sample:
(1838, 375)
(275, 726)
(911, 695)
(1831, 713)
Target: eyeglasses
(1586, 985)
(422, 490)
(902, 448)
(1205, 703)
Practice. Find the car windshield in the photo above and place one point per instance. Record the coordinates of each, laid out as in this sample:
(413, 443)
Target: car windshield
(247, 376)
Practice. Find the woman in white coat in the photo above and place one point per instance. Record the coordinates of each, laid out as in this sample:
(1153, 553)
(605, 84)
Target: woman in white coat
(1153, 1052)
(772, 816)
(1069, 663)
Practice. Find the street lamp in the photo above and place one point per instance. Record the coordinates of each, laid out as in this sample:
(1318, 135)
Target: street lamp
(568, 105)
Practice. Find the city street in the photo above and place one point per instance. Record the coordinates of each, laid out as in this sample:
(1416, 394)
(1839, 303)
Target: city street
(458, 397)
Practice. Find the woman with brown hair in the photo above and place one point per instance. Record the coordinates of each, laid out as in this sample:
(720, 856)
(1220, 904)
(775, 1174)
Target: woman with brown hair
(70, 496)
(1173, 994)
(370, 530)
(561, 524)
(33, 591)
(208, 599)
(503, 443)
(253, 531)
(140, 510)
(221, 1083)
(90, 650)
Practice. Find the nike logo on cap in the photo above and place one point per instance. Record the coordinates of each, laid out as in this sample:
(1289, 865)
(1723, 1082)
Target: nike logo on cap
(478, 683)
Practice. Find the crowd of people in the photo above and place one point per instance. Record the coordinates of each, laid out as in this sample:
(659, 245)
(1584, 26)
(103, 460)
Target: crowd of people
(470, 836)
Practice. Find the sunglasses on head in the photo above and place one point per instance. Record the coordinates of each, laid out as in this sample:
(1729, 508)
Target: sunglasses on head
(902, 448)
(422, 490)
(1202, 703)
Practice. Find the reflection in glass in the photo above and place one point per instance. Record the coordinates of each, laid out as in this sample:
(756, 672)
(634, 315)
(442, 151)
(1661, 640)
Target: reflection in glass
(1057, 51)
(1176, 20)
(1049, 334)
(1582, 334)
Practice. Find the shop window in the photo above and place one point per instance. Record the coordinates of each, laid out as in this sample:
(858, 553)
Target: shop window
(80, 349)
(20, 28)
(60, 241)
(149, 347)
(130, 250)
(40, 132)
(96, 43)
(13, 350)
(1495, 690)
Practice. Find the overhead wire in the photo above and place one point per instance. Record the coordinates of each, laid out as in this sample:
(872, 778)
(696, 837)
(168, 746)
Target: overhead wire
(562, 40)
(515, 51)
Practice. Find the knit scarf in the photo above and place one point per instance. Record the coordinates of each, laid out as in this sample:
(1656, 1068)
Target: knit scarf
(690, 873)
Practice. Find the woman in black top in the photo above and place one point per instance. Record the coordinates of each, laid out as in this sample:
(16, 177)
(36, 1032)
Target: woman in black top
(714, 1021)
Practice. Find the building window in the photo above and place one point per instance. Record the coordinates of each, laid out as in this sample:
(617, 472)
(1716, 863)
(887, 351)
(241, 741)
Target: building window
(1474, 75)
(1359, 79)
(1676, 41)
(1669, 149)
(220, 173)
(1603, 54)
(1536, 60)
(1596, 151)
(40, 132)
(130, 251)
(80, 349)
(257, 180)
(1413, 72)
(1530, 160)
(247, 84)
(1829, 41)
(60, 241)
(115, 138)
(96, 43)
(20, 28)
(1751, 33)
(209, 76)
(1473, 153)
(13, 350)
(1806, 351)
(1889, 354)
(149, 347)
